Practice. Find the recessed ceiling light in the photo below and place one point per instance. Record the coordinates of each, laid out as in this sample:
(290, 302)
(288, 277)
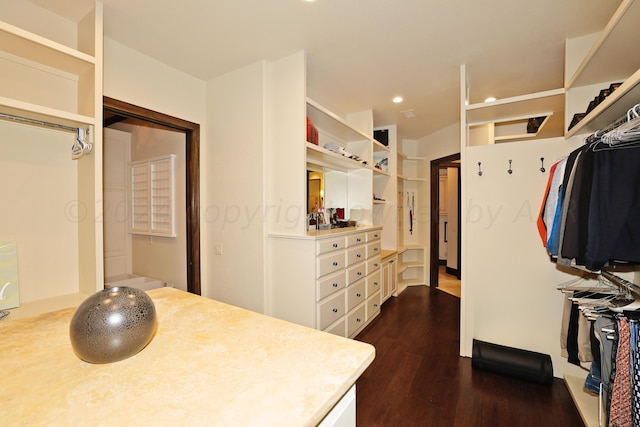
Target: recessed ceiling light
(398, 99)
(490, 99)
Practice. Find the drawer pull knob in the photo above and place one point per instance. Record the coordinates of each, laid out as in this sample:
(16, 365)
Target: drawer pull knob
(359, 255)
(358, 295)
(335, 310)
(359, 273)
(335, 263)
(335, 285)
(358, 320)
(335, 245)
(391, 262)
(358, 240)
(375, 305)
(375, 249)
(375, 283)
(375, 265)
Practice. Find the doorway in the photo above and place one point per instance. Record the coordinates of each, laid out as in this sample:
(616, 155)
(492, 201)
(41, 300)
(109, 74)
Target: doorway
(115, 111)
(449, 230)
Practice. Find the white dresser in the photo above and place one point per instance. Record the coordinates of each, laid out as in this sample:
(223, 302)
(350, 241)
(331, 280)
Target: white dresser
(328, 280)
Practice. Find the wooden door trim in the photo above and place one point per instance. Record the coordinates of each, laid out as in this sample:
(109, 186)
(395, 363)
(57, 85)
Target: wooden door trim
(435, 216)
(192, 133)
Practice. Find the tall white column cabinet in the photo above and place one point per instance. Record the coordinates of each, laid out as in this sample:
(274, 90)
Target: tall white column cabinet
(51, 72)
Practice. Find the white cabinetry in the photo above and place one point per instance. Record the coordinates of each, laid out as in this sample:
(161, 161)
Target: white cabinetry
(389, 276)
(338, 291)
(51, 71)
(324, 279)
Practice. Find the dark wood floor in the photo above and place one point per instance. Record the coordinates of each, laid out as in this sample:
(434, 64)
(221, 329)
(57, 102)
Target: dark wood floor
(418, 378)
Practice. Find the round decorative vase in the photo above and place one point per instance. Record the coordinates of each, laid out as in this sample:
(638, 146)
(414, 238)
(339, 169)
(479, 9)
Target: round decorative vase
(113, 324)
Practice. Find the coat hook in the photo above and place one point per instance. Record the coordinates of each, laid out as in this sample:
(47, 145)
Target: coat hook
(510, 170)
(479, 170)
(542, 169)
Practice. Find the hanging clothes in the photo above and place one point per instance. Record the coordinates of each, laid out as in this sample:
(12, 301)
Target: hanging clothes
(590, 215)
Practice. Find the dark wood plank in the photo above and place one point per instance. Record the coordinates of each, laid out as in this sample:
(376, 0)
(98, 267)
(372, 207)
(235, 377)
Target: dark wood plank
(419, 379)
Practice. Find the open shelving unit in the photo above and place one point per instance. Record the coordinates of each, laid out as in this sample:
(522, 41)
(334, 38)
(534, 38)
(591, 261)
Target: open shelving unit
(49, 77)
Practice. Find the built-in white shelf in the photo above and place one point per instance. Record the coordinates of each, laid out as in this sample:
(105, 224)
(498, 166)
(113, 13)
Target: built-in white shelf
(333, 124)
(614, 107)
(325, 158)
(586, 403)
(615, 55)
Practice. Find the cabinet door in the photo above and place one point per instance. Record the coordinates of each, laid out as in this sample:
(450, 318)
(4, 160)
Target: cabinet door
(385, 280)
(393, 276)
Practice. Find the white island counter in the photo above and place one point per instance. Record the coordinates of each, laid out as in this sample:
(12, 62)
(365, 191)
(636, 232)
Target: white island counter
(209, 364)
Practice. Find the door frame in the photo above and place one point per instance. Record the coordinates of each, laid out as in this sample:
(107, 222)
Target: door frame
(436, 164)
(192, 133)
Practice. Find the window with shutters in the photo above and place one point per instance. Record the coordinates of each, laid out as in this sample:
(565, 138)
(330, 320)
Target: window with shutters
(153, 197)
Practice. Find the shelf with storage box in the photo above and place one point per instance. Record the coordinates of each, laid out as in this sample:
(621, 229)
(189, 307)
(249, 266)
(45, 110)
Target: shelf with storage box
(332, 129)
(506, 120)
(609, 59)
(51, 72)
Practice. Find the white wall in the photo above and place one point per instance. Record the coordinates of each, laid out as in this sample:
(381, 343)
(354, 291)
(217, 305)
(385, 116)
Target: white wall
(40, 208)
(234, 217)
(440, 144)
(509, 284)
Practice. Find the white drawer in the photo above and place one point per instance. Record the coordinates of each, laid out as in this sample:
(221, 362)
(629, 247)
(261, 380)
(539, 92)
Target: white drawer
(373, 283)
(356, 254)
(337, 328)
(330, 263)
(373, 264)
(330, 284)
(328, 245)
(373, 235)
(330, 310)
(356, 272)
(355, 239)
(356, 319)
(373, 306)
(356, 294)
(373, 249)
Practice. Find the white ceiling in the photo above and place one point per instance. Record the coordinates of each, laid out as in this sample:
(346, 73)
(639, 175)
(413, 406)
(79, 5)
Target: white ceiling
(361, 53)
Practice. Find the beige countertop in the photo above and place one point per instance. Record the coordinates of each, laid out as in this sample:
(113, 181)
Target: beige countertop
(209, 364)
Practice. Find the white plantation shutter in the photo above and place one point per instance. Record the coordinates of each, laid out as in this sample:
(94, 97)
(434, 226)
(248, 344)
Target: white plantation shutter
(153, 197)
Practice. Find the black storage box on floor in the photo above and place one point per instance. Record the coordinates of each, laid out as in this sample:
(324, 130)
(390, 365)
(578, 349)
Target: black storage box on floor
(523, 364)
